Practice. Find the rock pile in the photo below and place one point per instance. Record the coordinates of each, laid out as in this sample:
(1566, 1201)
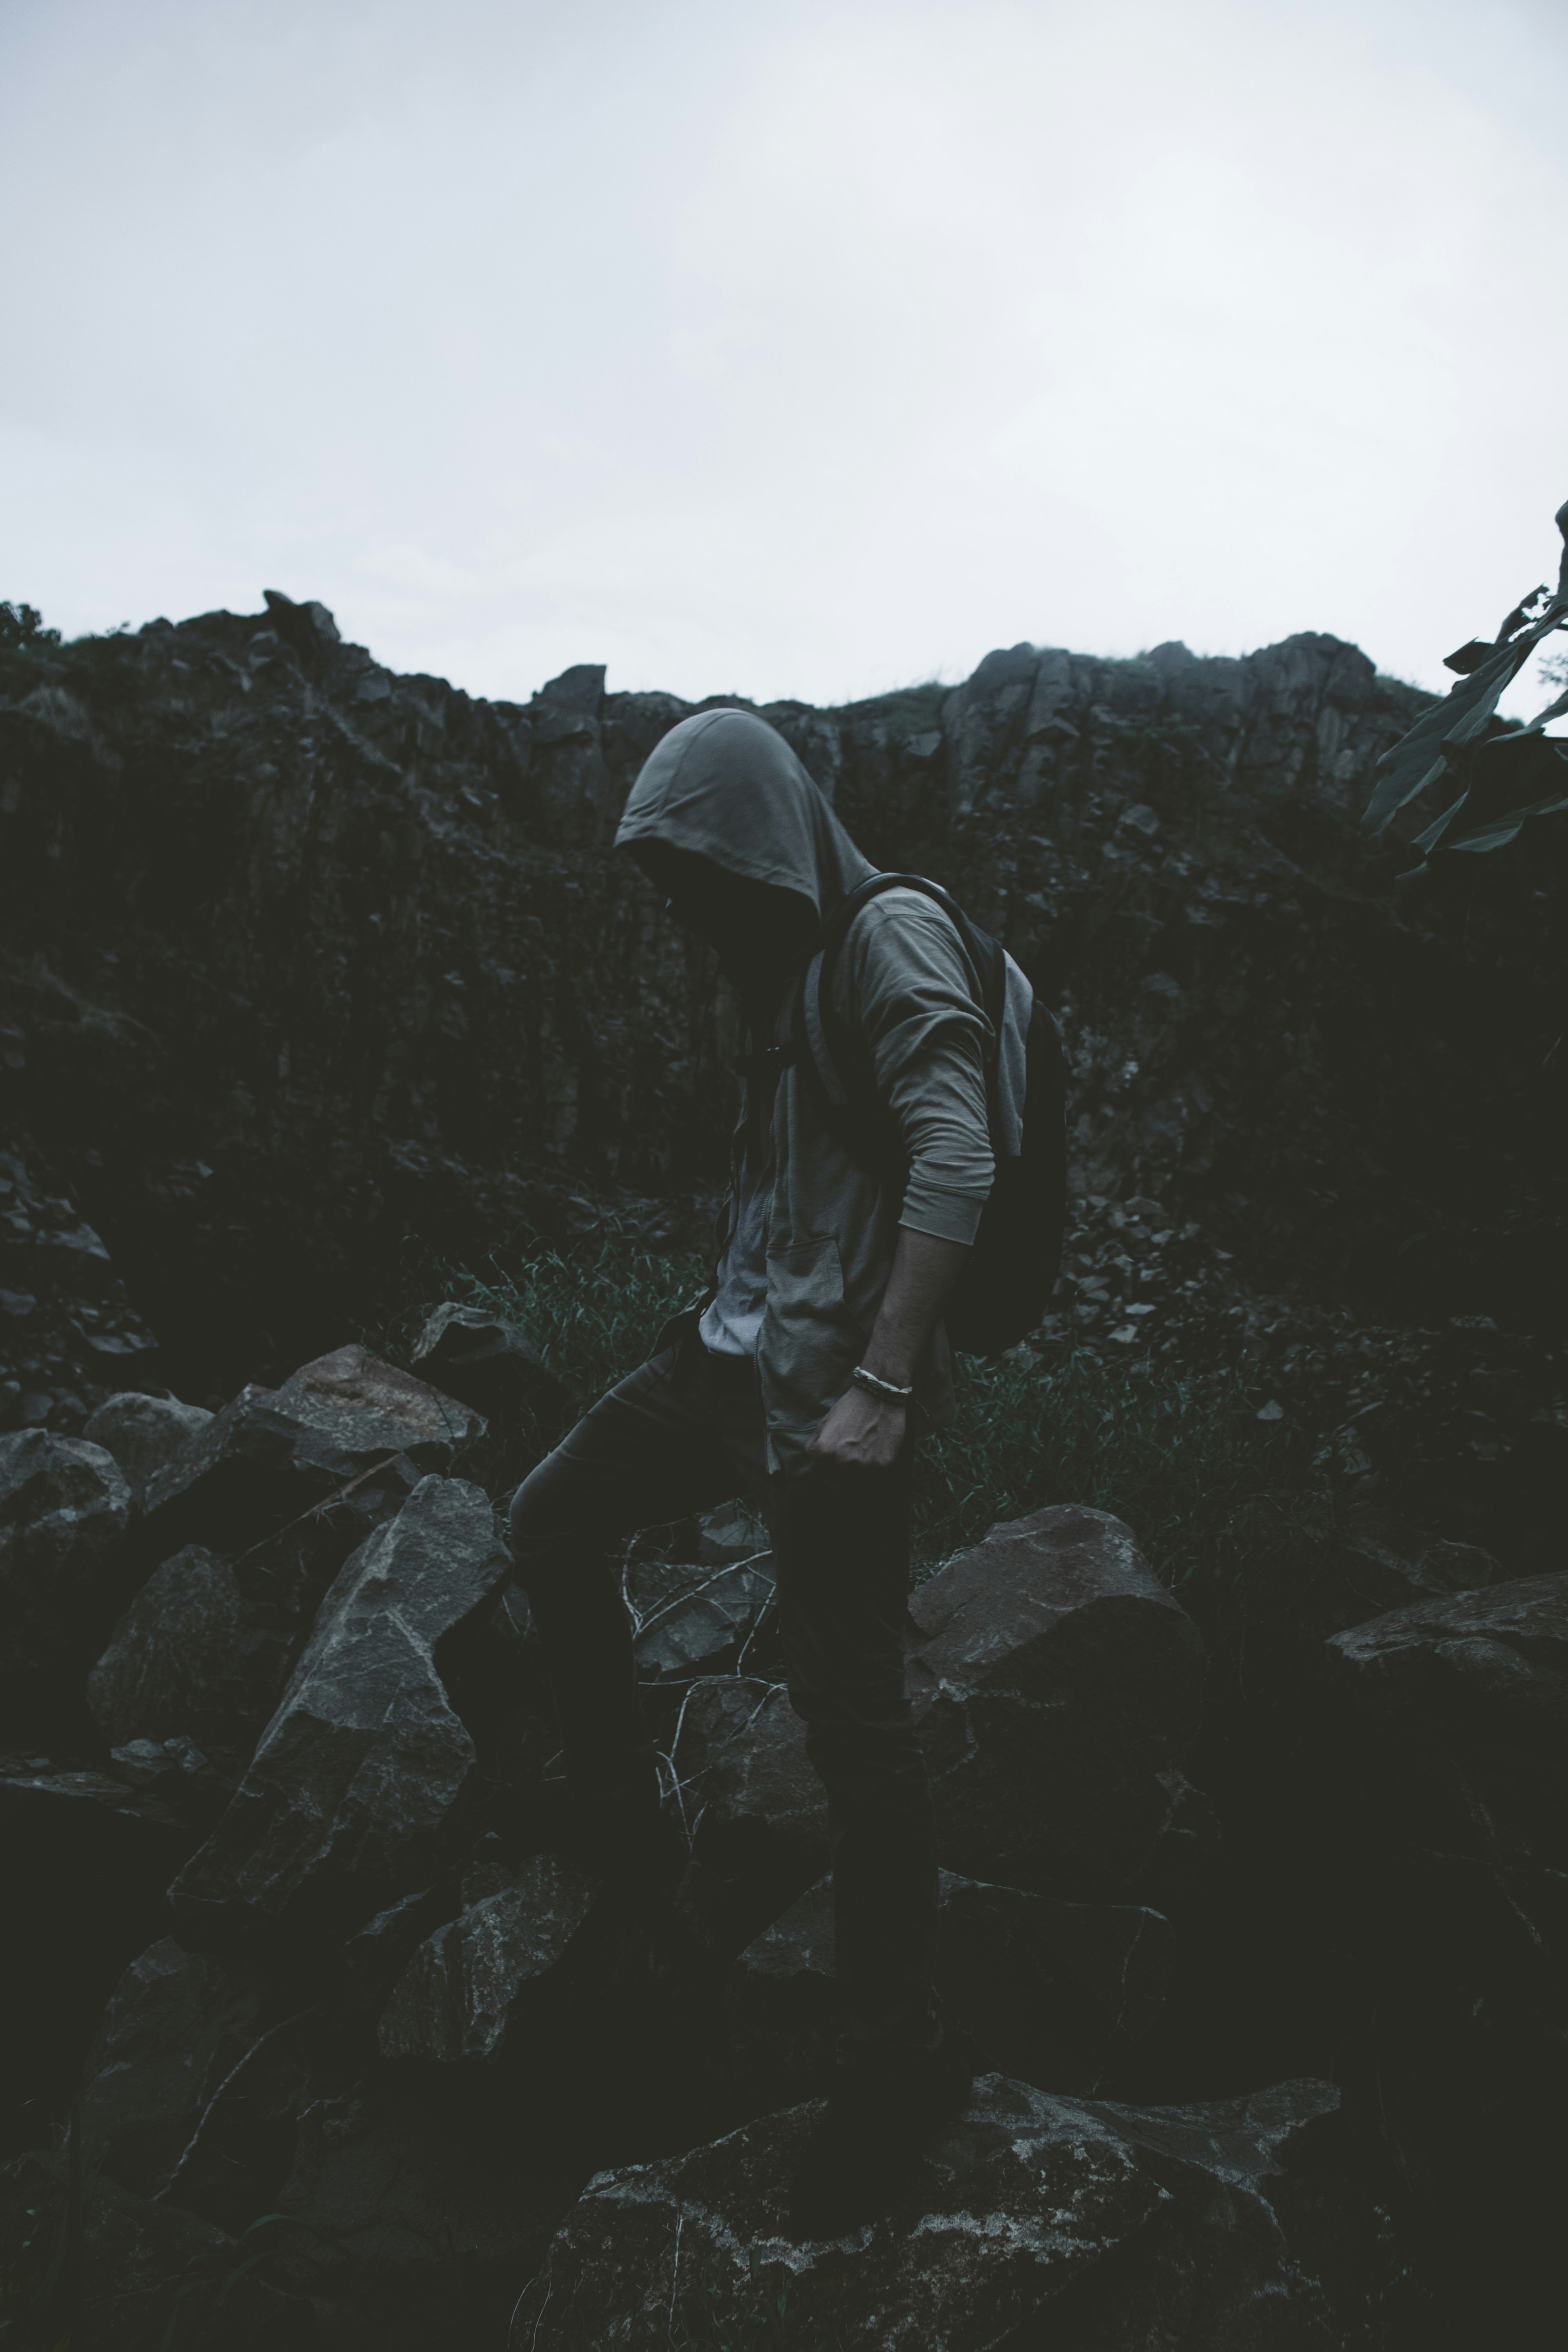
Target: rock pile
(365, 2046)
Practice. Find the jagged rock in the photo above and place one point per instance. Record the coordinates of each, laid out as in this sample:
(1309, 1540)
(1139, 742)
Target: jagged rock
(1466, 1700)
(704, 1629)
(176, 2025)
(478, 1981)
(65, 1506)
(1058, 1688)
(87, 1819)
(179, 1773)
(1053, 1992)
(1033, 2218)
(151, 2275)
(144, 1434)
(756, 1806)
(429, 2220)
(487, 1361)
(350, 1796)
(274, 1453)
(731, 1534)
(187, 1659)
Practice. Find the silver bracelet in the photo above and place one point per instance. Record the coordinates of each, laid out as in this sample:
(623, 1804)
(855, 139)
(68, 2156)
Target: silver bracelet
(874, 1387)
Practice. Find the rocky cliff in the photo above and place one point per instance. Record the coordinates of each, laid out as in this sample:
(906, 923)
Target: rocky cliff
(317, 976)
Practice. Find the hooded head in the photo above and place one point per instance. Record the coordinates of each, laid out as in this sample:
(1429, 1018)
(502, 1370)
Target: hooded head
(726, 820)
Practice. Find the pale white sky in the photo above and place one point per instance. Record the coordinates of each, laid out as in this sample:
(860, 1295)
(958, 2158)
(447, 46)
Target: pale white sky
(786, 347)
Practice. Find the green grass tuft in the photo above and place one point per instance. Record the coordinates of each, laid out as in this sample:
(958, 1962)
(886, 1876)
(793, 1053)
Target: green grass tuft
(1174, 1459)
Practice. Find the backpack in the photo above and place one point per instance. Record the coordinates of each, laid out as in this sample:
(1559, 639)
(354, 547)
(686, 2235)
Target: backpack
(1012, 1268)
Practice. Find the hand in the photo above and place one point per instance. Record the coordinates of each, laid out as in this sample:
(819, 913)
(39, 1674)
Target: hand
(861, 1432)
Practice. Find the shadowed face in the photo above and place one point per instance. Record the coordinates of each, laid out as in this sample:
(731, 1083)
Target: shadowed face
(756, 930)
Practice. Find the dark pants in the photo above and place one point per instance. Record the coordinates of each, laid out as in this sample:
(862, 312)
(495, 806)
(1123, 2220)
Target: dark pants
(683, 1434)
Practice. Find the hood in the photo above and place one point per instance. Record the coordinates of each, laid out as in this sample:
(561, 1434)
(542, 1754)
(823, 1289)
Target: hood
(727, 786)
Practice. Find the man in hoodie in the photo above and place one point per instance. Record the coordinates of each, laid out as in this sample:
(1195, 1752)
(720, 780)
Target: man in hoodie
(798, 1381)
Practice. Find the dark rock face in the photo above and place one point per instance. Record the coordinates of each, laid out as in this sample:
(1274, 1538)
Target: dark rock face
(702, 1627)
(1468, 1697)
(357, 1778)
(68, 1331)
(488, 1970)
(1094, 2225)
(184, 1659)
(485, 1361)
(756, 1806)
(345, 1420)
(65, 1507)
(425, 2219)
(146, 2269)
(144, 1434)
(1053, 1992)
(176, 2025)
(1059, 1687)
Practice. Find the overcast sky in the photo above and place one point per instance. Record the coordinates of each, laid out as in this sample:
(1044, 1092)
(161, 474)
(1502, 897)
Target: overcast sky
(786, 347)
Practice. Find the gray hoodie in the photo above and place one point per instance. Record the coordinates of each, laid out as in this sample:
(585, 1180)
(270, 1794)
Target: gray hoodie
(726, 785)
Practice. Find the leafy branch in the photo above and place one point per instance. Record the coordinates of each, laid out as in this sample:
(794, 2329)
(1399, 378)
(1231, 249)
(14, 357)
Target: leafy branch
(1503, 779)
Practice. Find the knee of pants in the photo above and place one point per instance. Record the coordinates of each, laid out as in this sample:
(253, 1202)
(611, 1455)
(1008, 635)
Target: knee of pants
(535, 1523)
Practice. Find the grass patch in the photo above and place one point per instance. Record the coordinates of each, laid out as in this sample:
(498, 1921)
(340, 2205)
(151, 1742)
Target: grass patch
(1175, 1459)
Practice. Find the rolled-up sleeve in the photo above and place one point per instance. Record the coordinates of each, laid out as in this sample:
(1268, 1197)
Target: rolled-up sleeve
(905, 983)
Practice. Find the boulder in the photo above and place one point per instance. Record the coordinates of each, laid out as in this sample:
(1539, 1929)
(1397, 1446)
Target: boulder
(149, 2273)
(1053, 1992)
(354, 1790)
(487, 1361)
(481, 1979)
(144, 1434)
(75, 1820)
(177, 1772)
(1032, 2219)
(188, 1657)
(704, 1628)
(1464, 1703)
(1058, 1688)
(733, 1532)
(345, 1428)
(755, 1803)
(65, 1506)
(176, 2025)
(429, 2218)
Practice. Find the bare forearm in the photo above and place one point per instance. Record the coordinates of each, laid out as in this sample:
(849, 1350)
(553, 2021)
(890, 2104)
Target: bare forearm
(864, 1430)
(924, 1270)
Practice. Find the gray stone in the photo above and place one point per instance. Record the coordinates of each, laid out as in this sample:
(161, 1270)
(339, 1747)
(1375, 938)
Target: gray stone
(90, 1820)
(704, 1630)
(344, 1428)
(1031, 2219)
(429, 2220)
(65, 1506)
(176, 2025)
(144, 1434)
(351, 1796)
(1464, 1704)
(731, 1534)
(150, 2274)
(1057, 1688)
(488, 1969)
(186, 1658)
(756, 1804)
(485, 1361)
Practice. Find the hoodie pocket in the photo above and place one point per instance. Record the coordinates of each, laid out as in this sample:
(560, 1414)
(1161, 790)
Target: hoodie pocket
(809, 1338)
